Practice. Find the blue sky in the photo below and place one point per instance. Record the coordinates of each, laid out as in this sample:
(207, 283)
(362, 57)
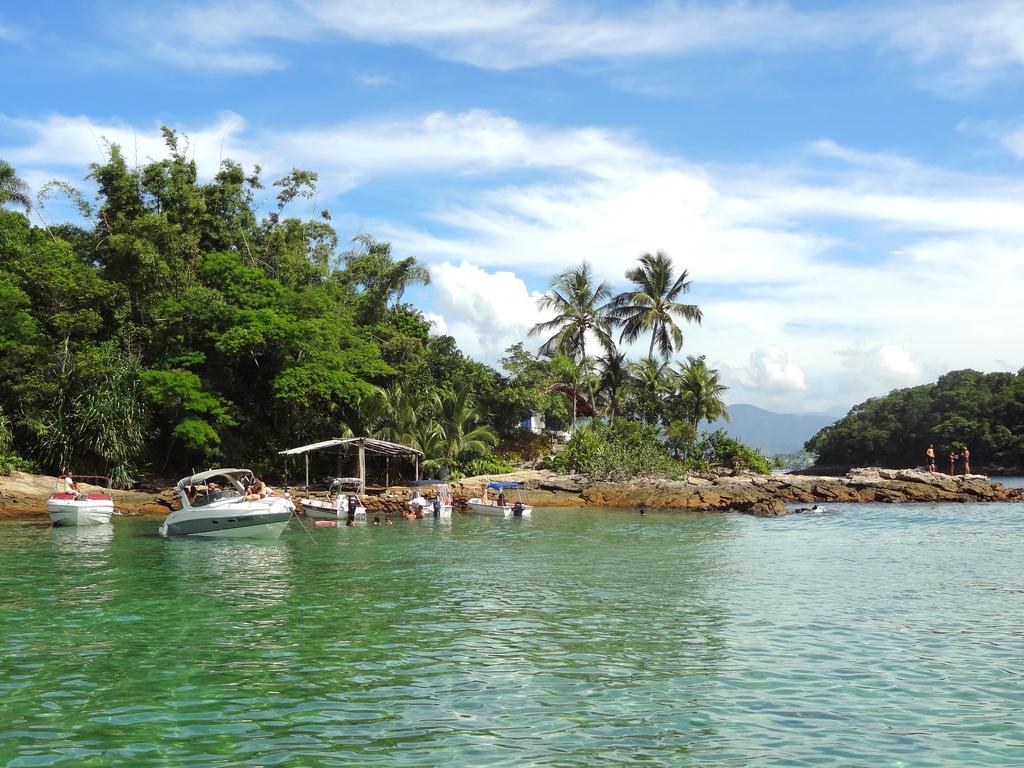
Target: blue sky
(842, 180)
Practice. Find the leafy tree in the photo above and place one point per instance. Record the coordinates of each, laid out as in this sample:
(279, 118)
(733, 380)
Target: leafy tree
(13, 191)
(653, 306)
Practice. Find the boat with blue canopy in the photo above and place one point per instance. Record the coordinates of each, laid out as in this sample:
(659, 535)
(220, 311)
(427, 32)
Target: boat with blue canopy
(499, 506)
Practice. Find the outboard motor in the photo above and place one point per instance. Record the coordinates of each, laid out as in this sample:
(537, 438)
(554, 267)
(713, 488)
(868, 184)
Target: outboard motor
(437, 507)
(517, 509)
(352, 504)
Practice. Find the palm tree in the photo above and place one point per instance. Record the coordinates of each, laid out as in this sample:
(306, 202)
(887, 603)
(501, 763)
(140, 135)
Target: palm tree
(580, 308)
(568, 377)
(653, 306)
(383, 280)
(702, 391)
(649, 380)
(460, 425)
(12, 189)
(613, 373)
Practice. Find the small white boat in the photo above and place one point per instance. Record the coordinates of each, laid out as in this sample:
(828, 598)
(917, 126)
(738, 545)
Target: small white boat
(339, 503)
(486, 506)
(440, 503)
(67, 508)
(214, 504)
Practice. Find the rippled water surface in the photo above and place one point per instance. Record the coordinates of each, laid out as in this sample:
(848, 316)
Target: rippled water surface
(869, 636)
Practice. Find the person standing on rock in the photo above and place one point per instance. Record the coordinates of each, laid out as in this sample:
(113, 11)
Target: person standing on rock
(966, 455)
(930, 454)
(952, 462)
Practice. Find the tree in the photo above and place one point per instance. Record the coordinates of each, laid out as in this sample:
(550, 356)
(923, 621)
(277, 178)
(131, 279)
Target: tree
(379, 278)
(13, 190)
(461, 426)
(580, 308)
(653, 306)
(648, 385)
(613, 376)
(701, 390)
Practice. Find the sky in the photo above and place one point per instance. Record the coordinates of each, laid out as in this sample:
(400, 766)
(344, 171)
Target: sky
(842, 181)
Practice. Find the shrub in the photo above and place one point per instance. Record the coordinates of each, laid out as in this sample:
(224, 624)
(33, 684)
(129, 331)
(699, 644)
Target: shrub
(718, 449)
(485, 465)
(617, 450)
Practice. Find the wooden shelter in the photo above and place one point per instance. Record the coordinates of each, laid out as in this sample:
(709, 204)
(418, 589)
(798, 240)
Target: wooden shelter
(364, 445)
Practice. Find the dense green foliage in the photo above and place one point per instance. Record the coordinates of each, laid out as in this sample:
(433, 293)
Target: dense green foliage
(982, 411)
(616, 450)
(180, 327)
(185, 323)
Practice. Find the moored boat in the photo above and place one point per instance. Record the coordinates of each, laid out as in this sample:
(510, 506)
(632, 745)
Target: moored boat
(338, 504)
(67, 508)
(439, 502)
(224, 510)
(499, 507)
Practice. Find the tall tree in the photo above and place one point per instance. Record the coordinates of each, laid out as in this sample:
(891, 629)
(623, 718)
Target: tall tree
(380, 278)
(653, 305)
(613, 373)
(12, 189)
(702, 391)
(580, 307)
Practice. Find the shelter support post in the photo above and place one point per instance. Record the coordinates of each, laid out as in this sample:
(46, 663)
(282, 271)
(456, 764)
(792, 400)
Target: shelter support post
(362, 469)
(387, 472)
(307, 474)
(416, 459)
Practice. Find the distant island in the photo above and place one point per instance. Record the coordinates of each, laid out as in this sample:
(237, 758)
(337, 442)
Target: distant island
(983, 412)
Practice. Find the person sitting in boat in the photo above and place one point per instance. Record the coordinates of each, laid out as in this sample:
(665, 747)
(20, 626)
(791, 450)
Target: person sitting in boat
(257, 490)
(70, 486)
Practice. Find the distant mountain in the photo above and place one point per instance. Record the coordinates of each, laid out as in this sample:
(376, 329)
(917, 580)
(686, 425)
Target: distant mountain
(769, 432)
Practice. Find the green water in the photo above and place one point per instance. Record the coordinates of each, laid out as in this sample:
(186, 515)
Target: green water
(874, 636)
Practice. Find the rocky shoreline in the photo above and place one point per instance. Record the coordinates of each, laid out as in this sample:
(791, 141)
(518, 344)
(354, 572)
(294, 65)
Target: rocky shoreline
(24, 496)
(765, 495)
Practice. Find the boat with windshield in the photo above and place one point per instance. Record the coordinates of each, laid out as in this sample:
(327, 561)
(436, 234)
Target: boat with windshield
(219, 503)
(433, 498)
(499, 506)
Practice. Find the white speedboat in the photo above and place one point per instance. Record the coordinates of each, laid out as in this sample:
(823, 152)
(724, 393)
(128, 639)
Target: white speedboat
(67, 508)
(213, 504)
(439, 505)
(500, 507)
(338, 503)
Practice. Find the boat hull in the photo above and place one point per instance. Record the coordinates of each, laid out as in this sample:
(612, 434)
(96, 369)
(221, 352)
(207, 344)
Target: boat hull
(428, 512)
(240, 522)
(481, 507)
(71, 512)
(325, 510)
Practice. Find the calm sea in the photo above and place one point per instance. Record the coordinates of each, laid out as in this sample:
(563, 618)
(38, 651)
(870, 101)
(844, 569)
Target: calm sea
(872, 635)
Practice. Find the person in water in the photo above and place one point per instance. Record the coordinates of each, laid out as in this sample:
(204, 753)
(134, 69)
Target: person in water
(930, 455)
(387, 519)
(376, 521)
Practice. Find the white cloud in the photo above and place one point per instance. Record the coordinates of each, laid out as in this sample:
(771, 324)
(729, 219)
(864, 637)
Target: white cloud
(770, 369)
(888, 364)
(485, 311)
(960, 45)
(923, 260)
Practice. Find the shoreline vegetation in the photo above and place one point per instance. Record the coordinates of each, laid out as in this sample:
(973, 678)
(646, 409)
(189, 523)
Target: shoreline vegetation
(23, 496)
(184, 323)
(179, 322)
